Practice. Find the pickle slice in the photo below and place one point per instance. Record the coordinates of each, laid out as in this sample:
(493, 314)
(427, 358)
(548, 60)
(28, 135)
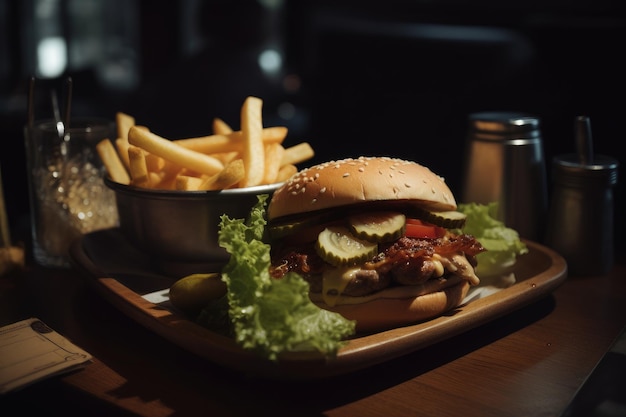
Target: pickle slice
(337, 246)
(449, 219)
(280, 230)
(378, 226)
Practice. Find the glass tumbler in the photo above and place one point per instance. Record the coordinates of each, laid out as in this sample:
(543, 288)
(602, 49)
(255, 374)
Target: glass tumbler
(68, 197)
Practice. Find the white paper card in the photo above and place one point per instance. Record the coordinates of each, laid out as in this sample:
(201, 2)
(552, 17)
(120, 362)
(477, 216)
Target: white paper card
(31, 351)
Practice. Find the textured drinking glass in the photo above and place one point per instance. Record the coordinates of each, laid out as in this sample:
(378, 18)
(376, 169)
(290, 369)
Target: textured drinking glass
(65, 177)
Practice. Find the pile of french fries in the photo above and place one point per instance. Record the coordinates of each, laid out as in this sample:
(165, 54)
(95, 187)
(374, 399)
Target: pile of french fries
(228, 158)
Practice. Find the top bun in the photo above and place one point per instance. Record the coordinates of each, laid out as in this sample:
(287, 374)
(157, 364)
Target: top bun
(349, 181)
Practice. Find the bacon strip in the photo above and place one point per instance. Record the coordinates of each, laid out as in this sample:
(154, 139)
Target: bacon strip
(404, 250)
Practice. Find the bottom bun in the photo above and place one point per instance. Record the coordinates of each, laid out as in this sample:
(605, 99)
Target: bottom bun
(386, 313)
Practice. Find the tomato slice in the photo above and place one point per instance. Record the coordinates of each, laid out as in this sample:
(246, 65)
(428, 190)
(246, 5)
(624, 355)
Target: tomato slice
(419, 229)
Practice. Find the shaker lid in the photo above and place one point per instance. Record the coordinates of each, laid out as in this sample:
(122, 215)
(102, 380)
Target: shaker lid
(503, 122)
(568, 168)
(584, 166)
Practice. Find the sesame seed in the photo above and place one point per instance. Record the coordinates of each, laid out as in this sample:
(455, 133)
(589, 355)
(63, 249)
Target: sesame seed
(407, 185)
(347, 174)
(361, 169)
(314, 201)
(322, 190)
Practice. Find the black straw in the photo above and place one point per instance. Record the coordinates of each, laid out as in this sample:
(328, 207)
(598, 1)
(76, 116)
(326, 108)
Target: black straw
(68, 104)
(57, 114)
(31, 104)
(584, 141)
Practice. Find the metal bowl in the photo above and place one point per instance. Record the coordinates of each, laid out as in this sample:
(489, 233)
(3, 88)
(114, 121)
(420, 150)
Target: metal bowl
(178, 230)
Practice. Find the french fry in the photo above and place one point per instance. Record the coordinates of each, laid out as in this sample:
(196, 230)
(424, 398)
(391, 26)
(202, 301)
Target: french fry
(228, 158)
(155, 163)
(269, 134)
(232, 174)
(112, 162)
(124, 122)
(139, 175)
(170, 151)
(273, 157)
(297, 154)
(165, 181)
(230, 142)
(154, 179)
(285, 172)
(187, 183)
(209, 144)
(170, 169)
(220, 127)
(122, 150)
(253, 153)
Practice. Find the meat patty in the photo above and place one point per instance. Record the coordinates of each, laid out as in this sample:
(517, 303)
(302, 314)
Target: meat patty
(407, 261)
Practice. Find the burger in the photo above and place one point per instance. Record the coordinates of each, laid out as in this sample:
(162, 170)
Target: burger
(375, 239)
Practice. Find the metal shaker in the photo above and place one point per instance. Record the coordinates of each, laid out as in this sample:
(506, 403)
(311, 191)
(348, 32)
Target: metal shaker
(505, 164)
(580, 225)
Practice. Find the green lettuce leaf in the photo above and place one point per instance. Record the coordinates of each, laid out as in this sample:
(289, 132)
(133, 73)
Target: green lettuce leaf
(270, 315)
(503, 244)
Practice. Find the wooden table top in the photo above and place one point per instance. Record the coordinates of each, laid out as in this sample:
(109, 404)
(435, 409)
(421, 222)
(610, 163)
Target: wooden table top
(530, 362)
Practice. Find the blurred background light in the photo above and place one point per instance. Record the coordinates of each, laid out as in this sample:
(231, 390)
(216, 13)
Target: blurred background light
(51, 57)
(270, 61)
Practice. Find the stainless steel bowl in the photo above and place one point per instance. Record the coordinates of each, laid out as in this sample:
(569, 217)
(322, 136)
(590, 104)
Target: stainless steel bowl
(178, 230)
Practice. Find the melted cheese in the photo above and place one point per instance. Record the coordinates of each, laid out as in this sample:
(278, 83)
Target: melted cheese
(439, 269)
(334, 281)
(459, 265)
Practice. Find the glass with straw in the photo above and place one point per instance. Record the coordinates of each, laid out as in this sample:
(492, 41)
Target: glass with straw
(67, 195)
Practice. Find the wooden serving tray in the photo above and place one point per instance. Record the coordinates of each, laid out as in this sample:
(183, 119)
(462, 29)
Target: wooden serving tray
(124, 276)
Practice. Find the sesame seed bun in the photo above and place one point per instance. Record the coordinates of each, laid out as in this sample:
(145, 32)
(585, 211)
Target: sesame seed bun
(400, 306)
(365, 179)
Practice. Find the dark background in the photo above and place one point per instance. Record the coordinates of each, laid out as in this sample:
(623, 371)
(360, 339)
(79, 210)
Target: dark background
(393, 77)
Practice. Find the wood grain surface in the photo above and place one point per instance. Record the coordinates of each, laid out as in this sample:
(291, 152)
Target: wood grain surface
(529, 362)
